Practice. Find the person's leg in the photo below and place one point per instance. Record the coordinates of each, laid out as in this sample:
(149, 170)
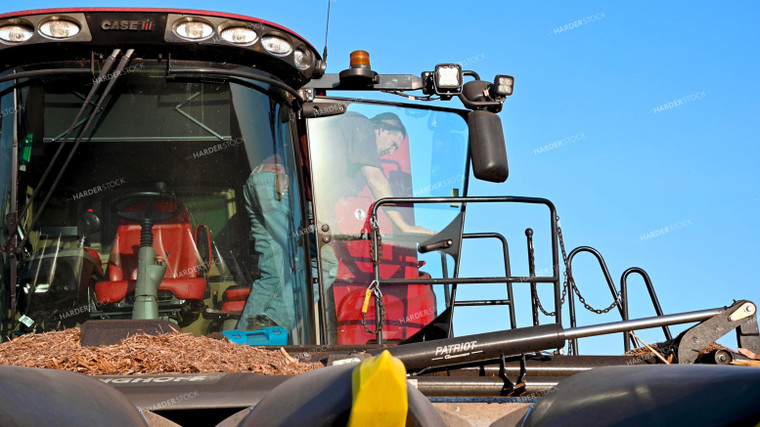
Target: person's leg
(269, 216)
(329, 273)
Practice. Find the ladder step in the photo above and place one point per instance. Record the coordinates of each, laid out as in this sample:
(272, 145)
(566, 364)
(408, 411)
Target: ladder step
(482, 302)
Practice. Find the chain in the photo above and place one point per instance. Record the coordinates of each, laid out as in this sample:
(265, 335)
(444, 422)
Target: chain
(374, 286)
(570, 282)
(373, 289)
(375, 232)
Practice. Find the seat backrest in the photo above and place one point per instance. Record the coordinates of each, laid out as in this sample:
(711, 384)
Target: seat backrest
(172, 240)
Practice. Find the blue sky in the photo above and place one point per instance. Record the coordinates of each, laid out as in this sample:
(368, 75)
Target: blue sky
(670, 189)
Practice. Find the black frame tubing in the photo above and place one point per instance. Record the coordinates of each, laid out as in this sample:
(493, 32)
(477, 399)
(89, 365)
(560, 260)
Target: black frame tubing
(456, 280)
(652, 296)
(507, 269)
(571, 297)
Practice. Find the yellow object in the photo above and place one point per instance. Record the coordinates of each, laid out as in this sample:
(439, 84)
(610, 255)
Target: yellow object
(379, 390)
(365, 306)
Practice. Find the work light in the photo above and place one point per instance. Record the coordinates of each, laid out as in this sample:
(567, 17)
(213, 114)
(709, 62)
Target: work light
(239, 35)
(58, 29)
(503, 85)
(193, 30)
(276, 45)
(15, 33)
(448, 79)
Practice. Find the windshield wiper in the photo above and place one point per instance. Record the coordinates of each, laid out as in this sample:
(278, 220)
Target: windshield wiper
(95, 87)
(98, 107)
(11, 243)
(16, 230)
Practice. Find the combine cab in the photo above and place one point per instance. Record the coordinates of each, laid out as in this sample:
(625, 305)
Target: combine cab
(198, 170)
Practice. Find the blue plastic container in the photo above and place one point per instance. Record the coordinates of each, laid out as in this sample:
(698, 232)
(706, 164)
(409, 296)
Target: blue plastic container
(271, 335)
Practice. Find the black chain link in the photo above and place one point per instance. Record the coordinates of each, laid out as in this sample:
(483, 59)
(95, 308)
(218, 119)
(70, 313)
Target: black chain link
(375, 230)
(570, 282)
(379, 296)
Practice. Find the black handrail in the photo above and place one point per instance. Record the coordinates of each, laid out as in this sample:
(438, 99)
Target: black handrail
(456, 280)
(623, 302)
(652, 296)
(571, 303)
(507, 269)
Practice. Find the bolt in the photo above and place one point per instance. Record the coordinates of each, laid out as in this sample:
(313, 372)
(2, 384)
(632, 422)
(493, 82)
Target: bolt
(326, 239)
(325, 228)
(749, 308)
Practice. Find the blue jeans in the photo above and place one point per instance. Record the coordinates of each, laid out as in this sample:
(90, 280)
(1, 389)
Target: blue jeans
(329, 274)
(268, 209)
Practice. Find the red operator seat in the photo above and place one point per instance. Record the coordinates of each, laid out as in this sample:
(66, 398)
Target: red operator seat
(173, 237)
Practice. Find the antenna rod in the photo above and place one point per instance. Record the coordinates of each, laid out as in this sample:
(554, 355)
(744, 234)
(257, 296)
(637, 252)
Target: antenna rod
(327, 27)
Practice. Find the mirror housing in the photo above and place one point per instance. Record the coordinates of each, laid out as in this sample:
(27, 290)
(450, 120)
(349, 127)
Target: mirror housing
(489, 151)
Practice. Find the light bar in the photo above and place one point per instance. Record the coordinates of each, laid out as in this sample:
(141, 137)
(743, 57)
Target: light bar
(448, 78)
(219, 37)
(193, 30)
(59, 29)
(15, 33)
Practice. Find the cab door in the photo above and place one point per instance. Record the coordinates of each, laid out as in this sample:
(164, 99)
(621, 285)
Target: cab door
(429, 161)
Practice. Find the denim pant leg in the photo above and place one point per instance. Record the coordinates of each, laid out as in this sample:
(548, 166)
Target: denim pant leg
(272, 293)
(329, 274)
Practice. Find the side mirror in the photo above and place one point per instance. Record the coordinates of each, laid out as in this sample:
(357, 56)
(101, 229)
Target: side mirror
(489, 151)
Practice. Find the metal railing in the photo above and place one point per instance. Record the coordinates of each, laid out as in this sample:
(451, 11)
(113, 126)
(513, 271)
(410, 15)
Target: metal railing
(451, 283)
(621, 300)
(507, 279)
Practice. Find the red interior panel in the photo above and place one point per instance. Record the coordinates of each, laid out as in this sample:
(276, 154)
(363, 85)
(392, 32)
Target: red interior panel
(407, 308)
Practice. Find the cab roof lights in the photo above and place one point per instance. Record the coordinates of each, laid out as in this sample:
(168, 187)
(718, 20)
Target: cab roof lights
(196, 12)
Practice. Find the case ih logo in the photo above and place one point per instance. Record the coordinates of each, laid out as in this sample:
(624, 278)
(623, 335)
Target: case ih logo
(128, 25)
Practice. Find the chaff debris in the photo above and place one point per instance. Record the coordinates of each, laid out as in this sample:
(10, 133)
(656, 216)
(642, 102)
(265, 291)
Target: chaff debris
(146, 354)
(650, 348)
